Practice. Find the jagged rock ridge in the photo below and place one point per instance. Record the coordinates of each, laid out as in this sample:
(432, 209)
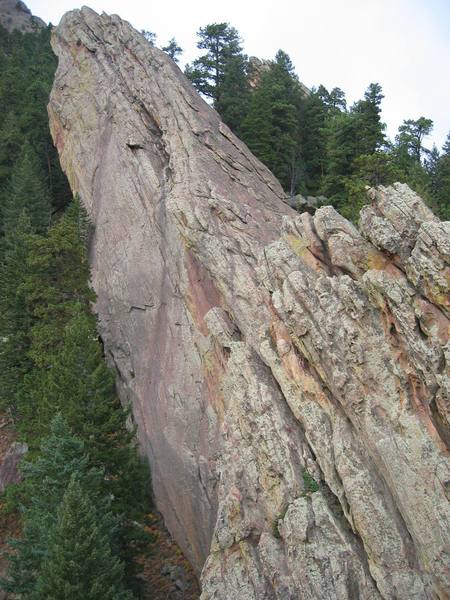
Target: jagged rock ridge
(14, 14)
(288, 373)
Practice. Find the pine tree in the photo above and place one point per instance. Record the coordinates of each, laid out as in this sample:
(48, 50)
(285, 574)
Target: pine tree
(150, 36)
(314, 119)
(408, 153)
(58, 281)
(234, 99)
(15, 320)
(79, 385)
(271, 128)
(431, 163)
(79, 561)
(27, 191)
(28, 66)
(173, 49)
(371, 130)
(207, 73)
(342, 133)
(333, 101)
(46, 479)
(411, 135)
(442, 182)
(11, 141)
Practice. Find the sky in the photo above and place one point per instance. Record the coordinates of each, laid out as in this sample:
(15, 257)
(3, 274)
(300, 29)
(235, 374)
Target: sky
(402, 44)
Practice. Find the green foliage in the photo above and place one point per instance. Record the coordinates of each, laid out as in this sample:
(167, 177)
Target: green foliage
(15, 320)
(45, 482)
(309, 482)
(353, 143)
(441, 181)
(411, 135)
(173, 49)
(57, 535)
(79, 385)
(314, 115)
(312, 142)
(222, 43)
(334, 101)
(28, 66)
(271, 127)
(27, 191)
(276, 526)
(57, 282)
(233, 101)
(51, 360)
(80, 562)
(368, 114)
(221, 73)
(150, 36)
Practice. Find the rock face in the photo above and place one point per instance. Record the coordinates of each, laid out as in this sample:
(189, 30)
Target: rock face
(9, 472)
(14, 14)
(288, 373)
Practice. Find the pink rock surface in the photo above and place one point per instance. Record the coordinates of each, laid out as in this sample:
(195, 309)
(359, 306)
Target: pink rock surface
(288, 374)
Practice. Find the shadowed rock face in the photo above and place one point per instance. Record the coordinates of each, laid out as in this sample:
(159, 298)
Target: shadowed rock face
(288, 374)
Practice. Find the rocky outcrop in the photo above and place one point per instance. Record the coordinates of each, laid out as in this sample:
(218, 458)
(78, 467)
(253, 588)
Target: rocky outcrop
(9, 471)
(288, 373)
(14, 14)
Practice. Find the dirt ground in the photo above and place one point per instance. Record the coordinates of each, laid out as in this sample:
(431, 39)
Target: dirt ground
(166, 567)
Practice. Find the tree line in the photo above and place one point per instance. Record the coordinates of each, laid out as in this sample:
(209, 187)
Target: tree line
(310, 139)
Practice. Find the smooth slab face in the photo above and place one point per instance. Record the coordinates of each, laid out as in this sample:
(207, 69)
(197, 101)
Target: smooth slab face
(287, 372)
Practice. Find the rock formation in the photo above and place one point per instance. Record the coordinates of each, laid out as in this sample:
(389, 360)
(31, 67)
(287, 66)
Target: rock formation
(288, 373)
(9, 471)
(14, 14)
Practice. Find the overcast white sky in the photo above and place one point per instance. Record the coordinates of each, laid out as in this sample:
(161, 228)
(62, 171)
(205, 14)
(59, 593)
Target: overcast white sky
(402, 44)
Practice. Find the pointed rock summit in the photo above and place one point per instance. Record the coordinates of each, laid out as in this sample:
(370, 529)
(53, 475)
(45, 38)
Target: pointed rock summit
(288, 372)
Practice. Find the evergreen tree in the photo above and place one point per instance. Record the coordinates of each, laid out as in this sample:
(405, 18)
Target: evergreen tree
(58, 281)
(342, 133)
(15, 320)
(173, 49)
(333, 101)
(271, 129)
(315, 115)
(11, 140)
(431, 163)
(234, 99)
(353, 147)
(207, 73)
(150, 36)
(46, 479)
(45, 322)
(79, 561)
(371, 129)
(79, 385)
(27, 191)
(28, 66)
(409, 152)
(221, 73)
(411, 135)
(442, 182)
